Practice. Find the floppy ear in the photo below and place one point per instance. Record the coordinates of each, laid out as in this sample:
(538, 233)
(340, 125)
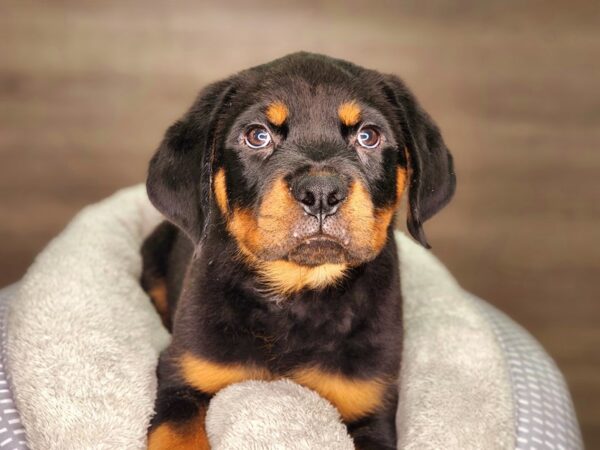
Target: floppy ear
(179, 175)
(432, 179)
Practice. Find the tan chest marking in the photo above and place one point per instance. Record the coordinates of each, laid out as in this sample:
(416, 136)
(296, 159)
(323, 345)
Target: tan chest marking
(210, 377)
(354, 398)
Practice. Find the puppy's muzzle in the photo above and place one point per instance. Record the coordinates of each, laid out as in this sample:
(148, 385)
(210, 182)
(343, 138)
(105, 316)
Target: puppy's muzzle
(321, 194)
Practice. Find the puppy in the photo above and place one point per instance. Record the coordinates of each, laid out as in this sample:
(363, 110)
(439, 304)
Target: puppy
(278, 259)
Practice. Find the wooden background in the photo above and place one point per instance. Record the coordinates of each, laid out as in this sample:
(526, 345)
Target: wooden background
(87, 89)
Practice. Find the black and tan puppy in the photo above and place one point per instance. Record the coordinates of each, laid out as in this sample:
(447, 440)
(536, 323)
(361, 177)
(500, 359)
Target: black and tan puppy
(278, 259)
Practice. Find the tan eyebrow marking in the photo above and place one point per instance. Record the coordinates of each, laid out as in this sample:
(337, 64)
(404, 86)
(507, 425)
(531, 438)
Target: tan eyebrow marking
(277, 113)
(349, 113)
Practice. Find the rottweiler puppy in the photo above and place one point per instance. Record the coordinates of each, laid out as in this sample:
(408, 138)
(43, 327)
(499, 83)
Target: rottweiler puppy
(277, 260)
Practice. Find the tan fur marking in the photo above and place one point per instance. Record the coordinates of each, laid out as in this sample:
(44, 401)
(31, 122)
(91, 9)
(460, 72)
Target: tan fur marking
(211, 377)
(277, 214)
(401, 178)
(287, 277)
(244, 228)
(349, 113)
(383, 219)
(277, 113)
(275, 217)
(368, 226)
(189, 436)
(354, 398)
(358, 213)
(158, 294)
(220, 188)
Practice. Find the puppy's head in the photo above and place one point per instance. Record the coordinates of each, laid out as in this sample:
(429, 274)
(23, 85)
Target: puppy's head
(304, 161)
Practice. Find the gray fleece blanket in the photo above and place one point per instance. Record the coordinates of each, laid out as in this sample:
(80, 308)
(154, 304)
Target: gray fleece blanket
(83, 344)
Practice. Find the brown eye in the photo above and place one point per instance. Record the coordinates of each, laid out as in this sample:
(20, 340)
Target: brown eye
(257, 137)
(368, 137)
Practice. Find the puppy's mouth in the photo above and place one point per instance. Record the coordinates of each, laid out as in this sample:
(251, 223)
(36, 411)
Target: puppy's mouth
(318, 250)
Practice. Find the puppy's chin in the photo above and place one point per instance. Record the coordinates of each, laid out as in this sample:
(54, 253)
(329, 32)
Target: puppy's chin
(318, 251)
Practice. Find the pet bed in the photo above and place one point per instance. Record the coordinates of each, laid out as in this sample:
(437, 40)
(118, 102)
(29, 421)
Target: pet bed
(80, 342)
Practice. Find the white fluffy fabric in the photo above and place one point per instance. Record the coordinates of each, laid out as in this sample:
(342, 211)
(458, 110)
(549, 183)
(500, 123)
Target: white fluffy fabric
(455, 390)
(83, 343)
(279, 414)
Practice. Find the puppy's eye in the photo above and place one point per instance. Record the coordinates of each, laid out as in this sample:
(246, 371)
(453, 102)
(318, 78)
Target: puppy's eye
(257, 137)
(368, 137)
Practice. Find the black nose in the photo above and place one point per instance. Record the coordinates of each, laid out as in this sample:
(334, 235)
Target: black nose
(320, 194)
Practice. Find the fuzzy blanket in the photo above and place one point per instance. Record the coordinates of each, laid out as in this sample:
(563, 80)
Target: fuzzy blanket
(83, 343)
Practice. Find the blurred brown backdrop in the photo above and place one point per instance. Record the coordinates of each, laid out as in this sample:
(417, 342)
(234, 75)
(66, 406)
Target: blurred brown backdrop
(87, 89)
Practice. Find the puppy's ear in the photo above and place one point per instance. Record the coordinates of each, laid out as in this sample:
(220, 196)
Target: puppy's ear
(179, 175)
(432, 179)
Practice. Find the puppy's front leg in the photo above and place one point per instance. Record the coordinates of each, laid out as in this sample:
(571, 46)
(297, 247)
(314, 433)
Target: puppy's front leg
(377, 431)
(179, 420)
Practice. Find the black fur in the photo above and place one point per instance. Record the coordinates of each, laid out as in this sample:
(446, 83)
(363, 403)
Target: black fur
(219, 307)
(433, 180)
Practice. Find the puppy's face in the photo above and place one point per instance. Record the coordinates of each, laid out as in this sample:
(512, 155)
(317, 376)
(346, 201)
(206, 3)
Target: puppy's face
(303, 160)
(309, 172)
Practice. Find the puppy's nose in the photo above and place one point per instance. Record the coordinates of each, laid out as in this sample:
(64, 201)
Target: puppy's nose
(320, 194)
